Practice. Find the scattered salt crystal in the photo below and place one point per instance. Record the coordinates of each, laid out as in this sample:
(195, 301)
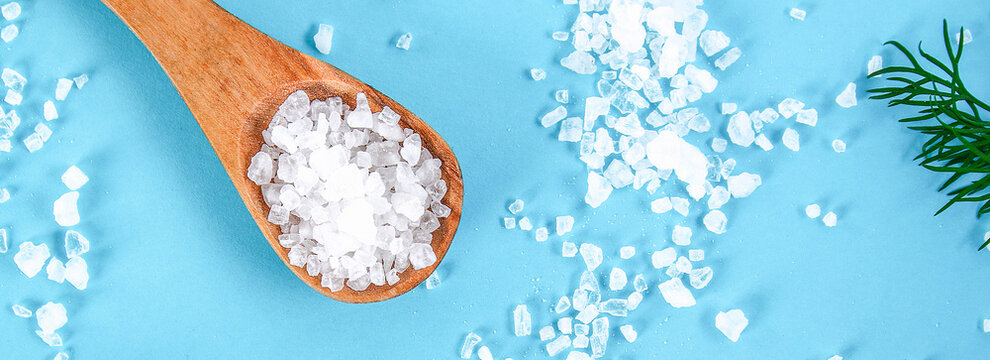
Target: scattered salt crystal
(729, 108)
(4, 195)
(404, 41)
(664, 258)
(669, 151)
(77, 273)
(547, 333)
(30, 258)
(808, 117)
(51, 317)
(21, 311)
(719, 144)
(541, 234)
(731, 323)
(537, 74)
(9, 32)
(65, 211)
(579, 62)
(563, 304)
(521, 320)
(680, 205)
(324, 38)
(484, 353)
(700, 277)
(713, 41)
(62, 88)
(13, 98)
(791, 139)
(740, 129)
(525, 224)
(813, 210)
(73, 178)
(560, 35)
(592, 255)
(798, 14)
(569, 249)
(847, 98)
(763, 142)
(558, 345)
(570, 130)
(433, 281)
(966, 36)
(80, 80)
(43, 131)
(50, 112)
(789, 107)
(565, 325)
(3, 241)
(835, 357)
(874, 65)
(562, 96)
(617, 279)
(715, 221)
(681, 235)
(516, 206)
(628, 332)
(986, 325)
(599, 190)
(587, 314)
(470, 341)
(61, 356)
(13, 80)
(11, 11)
(743, 185)
(728, 58)
(626, 252)
(839, 146)
(564, 224)
(50, 338)
(675, 294)
(509, 222)
(55, 270)
(830, 219)
(661, 205)
(696, 254)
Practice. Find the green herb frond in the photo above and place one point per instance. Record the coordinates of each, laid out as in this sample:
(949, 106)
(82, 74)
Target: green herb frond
(949, 115)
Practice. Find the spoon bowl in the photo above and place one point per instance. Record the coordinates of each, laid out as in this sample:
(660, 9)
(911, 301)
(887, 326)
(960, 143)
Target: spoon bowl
(233, 78)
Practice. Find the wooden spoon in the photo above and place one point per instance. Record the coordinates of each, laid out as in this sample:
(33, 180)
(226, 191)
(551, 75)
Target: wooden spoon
(233, 78)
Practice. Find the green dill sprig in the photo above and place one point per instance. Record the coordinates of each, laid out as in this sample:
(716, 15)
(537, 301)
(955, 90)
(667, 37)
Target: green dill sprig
(949, 115)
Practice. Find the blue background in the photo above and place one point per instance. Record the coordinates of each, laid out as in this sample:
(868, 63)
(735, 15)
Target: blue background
(179, 269)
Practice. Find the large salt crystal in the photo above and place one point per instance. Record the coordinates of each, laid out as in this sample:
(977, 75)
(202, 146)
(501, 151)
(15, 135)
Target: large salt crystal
(669, 151)
(554, 116)
(73, 178)
(11, 10)
(599, 190)
(522, 322)
(62, 88)
(592, 255)
(675, 294)
(789, 107)
(65, 211)
(467, 348)
(570, 130)
(547, 333)
(661, 205)
(874, 65)
(558, 345)
(740, 129)
(13, 80)
(21, 311)
(763, 142)
(13, 98)
(830, 219)
(847, 98)
(9, 32)
(681, 235)
(664, 258)
(813, 210)
(617, 279)
(791, 139)
(421, 256)
(731, 323)
(324, 38)
(627, 252)
(564, 224)
(728, 58)
(30, 258)
(403, 42)
(798, 14)
(627, 29)
(580, 62)
(713, 41)
(51, 317)
(715, 221)
(700, 277)
(743, 185)
(75, 244)
(808, 117)
(839, 146)
(50, 112)
(680, 204)
(702, 78)
(537, 74)
(77, 272)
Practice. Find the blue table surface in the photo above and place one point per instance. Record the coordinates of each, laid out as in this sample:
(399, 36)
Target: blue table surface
(179, 269)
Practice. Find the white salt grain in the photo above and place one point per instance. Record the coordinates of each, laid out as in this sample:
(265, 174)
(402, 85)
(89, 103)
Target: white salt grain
(433, 281)
(62, 88)
(80, 80)
(470, 341)
(813, 210)
(562, 96)
(617, 279)
(516, 206)
(61, 356)
(592, 255)
(696, 254)
(568, 249)
(77, 272)
(30, 258)
(627, 252)
(3, 241)
(11, 11)
(808, 117)
(743, 185)
(55, 270)
(49, 110)
(21, 311)
(763, 142)
(838, 146)
(43, 131)
(791, 139)
(874, 65)
(541, 234)
(404, 41)
(525, 224)
(847, 98)
(74, 178)
(560, 35)
(731, 323)
(509, 223)
(484, 353)
(681, 235)
(675, 294)
(661, 205)
(13, 98)
(547, 333)
(564, 224)
(9, 32)
(715, 221)
(713, 41)
(51, 317)
(324, 38)
(728, 58)
(798, 14)
(521, 320)
(65, 211)
(628, 333)
(537, 74)
(830, 219)
(13, 80)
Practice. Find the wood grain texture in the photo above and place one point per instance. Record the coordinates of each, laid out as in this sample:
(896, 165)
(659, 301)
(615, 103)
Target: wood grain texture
(233, 78)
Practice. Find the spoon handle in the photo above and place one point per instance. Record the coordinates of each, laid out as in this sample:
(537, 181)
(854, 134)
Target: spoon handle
(221, 66)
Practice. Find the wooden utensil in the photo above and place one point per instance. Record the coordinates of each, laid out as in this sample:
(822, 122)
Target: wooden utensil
(233, 78)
